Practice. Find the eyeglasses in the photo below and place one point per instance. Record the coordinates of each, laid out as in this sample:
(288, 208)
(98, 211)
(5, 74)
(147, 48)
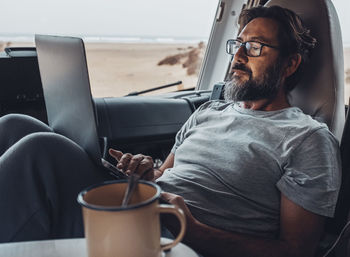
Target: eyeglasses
(251, 48)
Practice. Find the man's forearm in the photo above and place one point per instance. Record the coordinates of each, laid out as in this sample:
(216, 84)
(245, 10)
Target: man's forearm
(212, 242)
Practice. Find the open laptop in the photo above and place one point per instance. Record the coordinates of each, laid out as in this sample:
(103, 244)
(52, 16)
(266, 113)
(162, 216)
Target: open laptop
(67, 94)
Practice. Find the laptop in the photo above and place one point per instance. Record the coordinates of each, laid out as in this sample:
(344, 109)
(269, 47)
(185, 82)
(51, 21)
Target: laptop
(70, 108)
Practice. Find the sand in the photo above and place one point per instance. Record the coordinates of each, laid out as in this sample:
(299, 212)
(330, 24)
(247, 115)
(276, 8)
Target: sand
(117, 69)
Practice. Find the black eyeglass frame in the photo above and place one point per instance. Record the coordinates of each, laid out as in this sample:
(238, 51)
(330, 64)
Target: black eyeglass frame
(245, 46)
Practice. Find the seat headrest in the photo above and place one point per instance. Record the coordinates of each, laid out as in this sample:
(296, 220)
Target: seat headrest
(320, 92)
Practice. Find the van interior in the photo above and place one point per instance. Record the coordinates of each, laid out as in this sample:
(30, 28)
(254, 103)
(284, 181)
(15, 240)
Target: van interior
(142, 123)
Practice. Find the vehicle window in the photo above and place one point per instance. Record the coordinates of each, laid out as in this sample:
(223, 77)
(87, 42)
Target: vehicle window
(342, 7)
(130, 45)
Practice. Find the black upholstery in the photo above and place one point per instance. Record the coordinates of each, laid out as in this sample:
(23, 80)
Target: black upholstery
(321, 91)
(339, 222)
(343, 205)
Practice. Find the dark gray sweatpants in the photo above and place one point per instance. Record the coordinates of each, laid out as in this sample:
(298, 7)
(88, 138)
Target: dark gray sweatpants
(41, 174)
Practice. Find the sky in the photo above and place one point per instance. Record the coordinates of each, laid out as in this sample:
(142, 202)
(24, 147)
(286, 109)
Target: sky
(121, 18)
(151, 18)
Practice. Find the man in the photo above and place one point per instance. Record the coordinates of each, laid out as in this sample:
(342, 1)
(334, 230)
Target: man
(254, 176)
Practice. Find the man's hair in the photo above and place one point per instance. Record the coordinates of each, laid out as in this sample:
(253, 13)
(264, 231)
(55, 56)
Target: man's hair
(293, 36)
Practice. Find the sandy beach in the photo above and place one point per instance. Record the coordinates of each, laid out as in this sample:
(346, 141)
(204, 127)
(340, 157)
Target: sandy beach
(117, 69)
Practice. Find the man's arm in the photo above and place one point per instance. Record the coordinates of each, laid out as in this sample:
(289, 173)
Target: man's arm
(299, 234)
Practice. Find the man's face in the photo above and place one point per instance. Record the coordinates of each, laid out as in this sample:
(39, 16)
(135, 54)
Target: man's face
(255, 78)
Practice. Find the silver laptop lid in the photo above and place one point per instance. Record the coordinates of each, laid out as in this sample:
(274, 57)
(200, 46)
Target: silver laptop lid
(66, 86)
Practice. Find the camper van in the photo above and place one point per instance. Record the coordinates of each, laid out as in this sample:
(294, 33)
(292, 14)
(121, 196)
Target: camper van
(136, 114)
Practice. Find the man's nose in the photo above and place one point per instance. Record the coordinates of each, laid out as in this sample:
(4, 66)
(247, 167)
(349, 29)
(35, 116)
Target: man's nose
(240, 55)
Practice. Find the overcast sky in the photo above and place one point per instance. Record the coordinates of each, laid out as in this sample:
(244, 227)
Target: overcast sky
(140, 18)
(151, 18)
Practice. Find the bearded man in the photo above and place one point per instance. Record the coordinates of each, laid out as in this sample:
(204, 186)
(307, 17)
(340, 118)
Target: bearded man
(255, 176)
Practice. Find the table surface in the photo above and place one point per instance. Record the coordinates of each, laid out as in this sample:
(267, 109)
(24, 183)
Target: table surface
(69, 247)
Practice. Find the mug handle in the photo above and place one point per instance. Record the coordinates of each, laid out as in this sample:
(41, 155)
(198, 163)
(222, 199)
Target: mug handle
(166, 208)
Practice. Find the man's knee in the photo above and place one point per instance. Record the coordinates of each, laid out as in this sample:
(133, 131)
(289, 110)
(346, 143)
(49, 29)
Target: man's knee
(15, 119)
(23, 122)
(49, 144)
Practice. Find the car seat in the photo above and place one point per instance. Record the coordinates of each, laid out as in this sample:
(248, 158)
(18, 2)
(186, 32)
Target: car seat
(320, 92)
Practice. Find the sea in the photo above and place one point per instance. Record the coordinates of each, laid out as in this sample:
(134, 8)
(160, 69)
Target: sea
(111, 39)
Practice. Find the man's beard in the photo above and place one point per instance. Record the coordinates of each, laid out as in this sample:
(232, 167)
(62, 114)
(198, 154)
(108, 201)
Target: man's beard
(265, 87)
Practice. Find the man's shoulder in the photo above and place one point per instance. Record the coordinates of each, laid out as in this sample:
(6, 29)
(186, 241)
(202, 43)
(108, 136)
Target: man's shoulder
(309, 128)
(299, 118)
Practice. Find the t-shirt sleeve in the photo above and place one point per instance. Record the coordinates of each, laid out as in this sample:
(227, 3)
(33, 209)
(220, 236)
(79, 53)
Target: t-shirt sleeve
(181, 134)
(312, 173)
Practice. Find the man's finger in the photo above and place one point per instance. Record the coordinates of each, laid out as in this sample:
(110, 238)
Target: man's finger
(115, 154)
(178, 201)
(124, 161)
(139, 164)
(174, 199)
(169, 197)
(145, 165)
(135, 163)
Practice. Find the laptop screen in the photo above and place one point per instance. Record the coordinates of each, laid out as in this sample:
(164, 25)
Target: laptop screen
(66, 87)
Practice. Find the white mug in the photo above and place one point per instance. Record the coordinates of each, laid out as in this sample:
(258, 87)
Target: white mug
(132, 231)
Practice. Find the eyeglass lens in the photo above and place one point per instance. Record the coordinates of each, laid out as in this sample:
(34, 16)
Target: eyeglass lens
(251, 48)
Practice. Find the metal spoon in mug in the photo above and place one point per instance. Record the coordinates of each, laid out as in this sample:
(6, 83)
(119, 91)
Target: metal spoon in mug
(132, 182)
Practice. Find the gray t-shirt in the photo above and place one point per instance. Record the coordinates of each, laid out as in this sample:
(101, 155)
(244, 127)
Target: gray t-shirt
(232, 164)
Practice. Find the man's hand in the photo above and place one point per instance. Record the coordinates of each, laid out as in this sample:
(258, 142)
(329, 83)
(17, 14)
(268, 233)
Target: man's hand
(170, 221)
(139, 163)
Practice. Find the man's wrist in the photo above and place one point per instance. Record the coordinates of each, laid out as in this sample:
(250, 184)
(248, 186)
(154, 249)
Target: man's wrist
(157, 174)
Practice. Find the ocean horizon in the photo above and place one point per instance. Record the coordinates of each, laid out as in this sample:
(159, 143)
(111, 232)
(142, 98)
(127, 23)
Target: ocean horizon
(118, 39)
(110, 39)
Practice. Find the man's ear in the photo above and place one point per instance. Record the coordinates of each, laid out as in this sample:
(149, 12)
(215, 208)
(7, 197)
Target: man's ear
(292, 65)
